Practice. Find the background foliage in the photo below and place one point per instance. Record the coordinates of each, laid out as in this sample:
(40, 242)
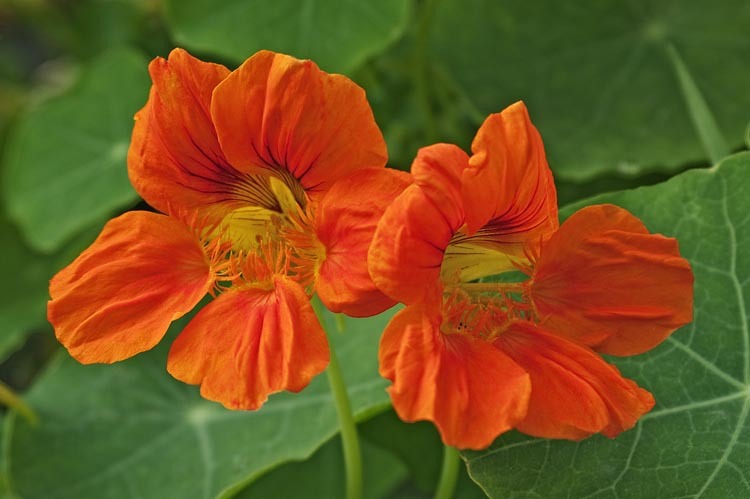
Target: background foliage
(625, 94)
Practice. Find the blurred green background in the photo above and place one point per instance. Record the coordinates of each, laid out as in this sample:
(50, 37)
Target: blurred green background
(625, 94)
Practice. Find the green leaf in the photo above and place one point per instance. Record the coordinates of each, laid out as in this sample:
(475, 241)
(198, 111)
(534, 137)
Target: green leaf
(696, 441)
(65, 161)
(323, 475)
(129, 428)
(27, 273)
(597, 76)
(337, 34)
(23, 297)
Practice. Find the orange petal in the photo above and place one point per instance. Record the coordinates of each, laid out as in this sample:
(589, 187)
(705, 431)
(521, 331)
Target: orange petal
(250, 343)
(471, 390)
(574, 392)
(174, 161)
(407, 251)
(345, 224)
(119, 296)
(508, 192)
(604, 280)
(282, 113)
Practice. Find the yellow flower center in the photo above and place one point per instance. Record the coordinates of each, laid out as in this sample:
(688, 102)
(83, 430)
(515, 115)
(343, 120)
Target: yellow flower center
(277, 238)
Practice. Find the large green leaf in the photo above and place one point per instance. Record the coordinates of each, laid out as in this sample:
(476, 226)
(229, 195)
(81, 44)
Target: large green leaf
(131, 427)
(597, 75)
(65, 161)
(696, 441)
(337, 34)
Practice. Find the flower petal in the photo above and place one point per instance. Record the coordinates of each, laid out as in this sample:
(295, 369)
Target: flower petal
(508, 192)
(604, 280)
(282, 113)
(409, 245)
(175, 162)
(250, 343)
(345, 223)
(574, 392)
(471, 390)
(119, 296)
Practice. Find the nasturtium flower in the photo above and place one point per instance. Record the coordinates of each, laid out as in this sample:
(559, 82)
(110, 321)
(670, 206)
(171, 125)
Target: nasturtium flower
(507, 311)
(271, 179)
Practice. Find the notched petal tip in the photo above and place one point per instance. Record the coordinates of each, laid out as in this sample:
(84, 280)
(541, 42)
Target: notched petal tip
(250, 343)
(508, 184)
(119, 296)
(278, 112)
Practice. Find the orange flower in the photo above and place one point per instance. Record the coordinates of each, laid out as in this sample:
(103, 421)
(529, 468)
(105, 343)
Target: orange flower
(479, 351)
(256, 170)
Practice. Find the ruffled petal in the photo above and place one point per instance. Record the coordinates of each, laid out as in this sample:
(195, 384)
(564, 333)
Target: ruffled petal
(282, 113)
(119, 296)
(508, 192)
(471, 390)
(605, 281)
(250, 343)
(175, 162)
(410, 241)
(345, 223)
(574, 392)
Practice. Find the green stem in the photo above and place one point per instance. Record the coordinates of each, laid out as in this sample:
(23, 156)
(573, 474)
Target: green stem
(13, 401)
(448, 474)
(704, 121)
(349, 438)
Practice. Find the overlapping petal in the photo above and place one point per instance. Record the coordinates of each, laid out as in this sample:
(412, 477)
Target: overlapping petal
(604, 280)
(250, 343)
(574, 392)
(471, 390)
(175, 161)
(119, 296)
(407, 250)
(508, 192)
(284, 114)
(345, 224)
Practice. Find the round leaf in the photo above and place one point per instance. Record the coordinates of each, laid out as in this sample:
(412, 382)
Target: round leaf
(597, 76)
(337, 34)
(65, 164)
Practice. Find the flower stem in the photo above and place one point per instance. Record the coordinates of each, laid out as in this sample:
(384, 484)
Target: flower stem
(448, 473)
(349, 438)
(13, 401)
